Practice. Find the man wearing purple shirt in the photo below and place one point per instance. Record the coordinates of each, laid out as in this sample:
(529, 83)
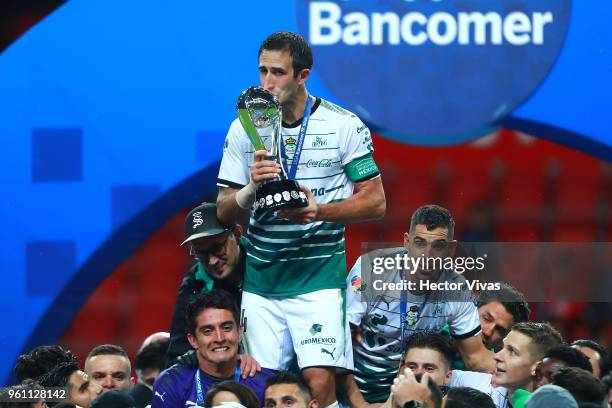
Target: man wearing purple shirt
(214, 333)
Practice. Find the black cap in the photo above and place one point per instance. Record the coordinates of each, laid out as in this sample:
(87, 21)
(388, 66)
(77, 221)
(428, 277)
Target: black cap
(202, 222)
(114, 399)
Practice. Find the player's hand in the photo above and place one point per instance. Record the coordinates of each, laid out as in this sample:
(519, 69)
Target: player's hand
(262, 169)
(302, 215)
(248, 366)
(356, 333)
(406, 388)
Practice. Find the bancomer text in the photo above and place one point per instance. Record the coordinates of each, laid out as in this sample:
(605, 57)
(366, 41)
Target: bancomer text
(328, 26)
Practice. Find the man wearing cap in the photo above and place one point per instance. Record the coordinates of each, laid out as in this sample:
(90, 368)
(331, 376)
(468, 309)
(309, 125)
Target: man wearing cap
(220, 260)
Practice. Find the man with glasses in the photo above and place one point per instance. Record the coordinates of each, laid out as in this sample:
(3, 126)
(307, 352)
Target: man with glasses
(382, 319)
(220, 260)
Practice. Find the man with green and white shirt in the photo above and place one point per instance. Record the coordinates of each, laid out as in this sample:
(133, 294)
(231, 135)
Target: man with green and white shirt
(382, 319)
(294, 284)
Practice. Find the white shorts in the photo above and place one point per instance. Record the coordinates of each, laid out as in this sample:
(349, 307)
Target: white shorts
(312, 325)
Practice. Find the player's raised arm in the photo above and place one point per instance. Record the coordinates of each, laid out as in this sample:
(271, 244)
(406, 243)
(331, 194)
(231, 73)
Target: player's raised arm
(475, 354)
(234, 201)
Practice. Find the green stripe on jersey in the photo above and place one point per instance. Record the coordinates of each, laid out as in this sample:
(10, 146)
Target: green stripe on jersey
(374, 385)
(274, 253)
(295, 276)
(294, 232)
(319, 178)
(329, 190)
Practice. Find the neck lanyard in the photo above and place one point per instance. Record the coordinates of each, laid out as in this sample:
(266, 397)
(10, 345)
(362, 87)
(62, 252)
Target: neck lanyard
(198, 385)
(403, 302)
(291, 171)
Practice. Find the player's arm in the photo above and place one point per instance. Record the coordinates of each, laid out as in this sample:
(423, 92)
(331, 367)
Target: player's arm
(348, 387)
(228, 210)
(368, 199)
(367, 203)
(234, 202)
(465, 329)
(475, 355)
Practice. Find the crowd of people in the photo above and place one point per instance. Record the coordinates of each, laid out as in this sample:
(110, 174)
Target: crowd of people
(271, 316)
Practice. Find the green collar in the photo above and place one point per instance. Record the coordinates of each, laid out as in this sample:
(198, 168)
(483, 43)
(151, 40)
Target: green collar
(202, 275)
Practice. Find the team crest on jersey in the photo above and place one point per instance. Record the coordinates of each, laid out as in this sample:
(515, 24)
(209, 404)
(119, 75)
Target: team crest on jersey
(357, 284)
(290, 145)
(438, 310)
(316, 328)
(412, 317)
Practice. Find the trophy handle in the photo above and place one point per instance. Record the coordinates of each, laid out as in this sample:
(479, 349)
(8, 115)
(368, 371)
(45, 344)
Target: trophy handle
(250, 130)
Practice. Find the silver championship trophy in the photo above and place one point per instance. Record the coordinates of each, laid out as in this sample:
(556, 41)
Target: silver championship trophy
(260, 114)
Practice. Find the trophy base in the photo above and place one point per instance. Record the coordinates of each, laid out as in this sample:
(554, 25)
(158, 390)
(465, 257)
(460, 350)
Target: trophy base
(279, 194)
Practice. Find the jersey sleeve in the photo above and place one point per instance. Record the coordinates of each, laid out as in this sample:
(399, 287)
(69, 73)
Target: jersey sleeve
(357, 151)
(464, 322)
(355, 306)
(234, 169)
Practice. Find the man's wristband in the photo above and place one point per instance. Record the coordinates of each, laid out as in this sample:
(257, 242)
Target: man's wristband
(245, 197)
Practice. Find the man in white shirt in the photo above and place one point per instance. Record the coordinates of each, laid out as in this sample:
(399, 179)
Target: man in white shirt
(515, 364)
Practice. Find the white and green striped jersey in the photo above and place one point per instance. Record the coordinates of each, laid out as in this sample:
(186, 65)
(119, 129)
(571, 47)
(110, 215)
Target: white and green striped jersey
(285, 259)
(377, 313)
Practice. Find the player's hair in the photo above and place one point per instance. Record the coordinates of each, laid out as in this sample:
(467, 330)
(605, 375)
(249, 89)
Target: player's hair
(583, 386)
(570, 356)
(296, 46)
(543, 337)
(215, 299)
(107, 349)
(604, 361)
(431, 341)
(513, 301)
(26, 386)
(467, 397)
(247, 397)
(286, 377)
(153, 355)
(433, 216)
(64, 404)
(40, 361)
(59, 375)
